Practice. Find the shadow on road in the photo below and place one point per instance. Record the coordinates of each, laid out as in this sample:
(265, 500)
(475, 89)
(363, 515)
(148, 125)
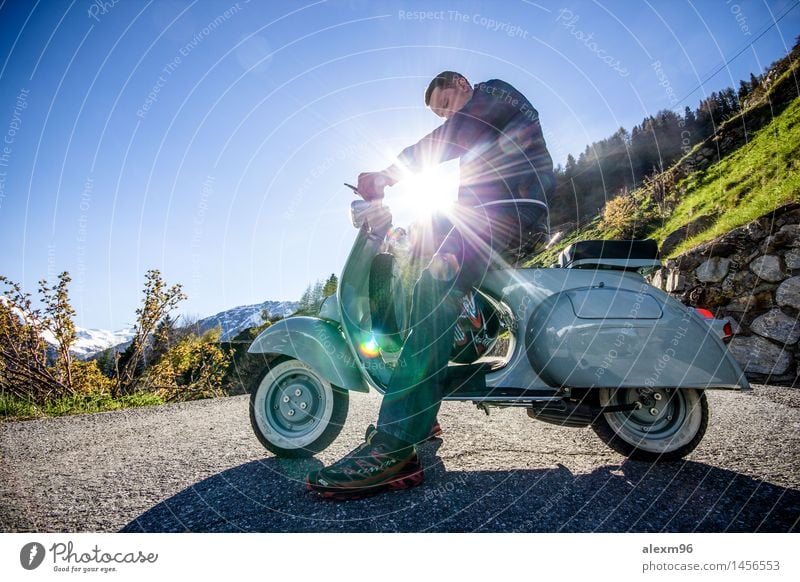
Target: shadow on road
(269, 496)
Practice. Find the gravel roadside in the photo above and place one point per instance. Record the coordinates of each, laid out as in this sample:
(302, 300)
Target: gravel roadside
(197, 466)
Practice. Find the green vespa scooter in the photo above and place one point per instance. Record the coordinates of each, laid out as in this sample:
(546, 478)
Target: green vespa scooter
(587, 342)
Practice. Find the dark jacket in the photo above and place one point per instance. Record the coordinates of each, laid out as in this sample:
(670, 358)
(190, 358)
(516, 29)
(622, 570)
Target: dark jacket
(499, 140)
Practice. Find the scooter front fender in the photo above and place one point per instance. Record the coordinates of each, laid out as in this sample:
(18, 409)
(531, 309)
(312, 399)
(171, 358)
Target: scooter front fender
(316, 342)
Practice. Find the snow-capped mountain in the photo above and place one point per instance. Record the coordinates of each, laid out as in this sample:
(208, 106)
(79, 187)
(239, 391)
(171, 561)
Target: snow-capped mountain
(91, 341)
(88, 342)
(233, 321)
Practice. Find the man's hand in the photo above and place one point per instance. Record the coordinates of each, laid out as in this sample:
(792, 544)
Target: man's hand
(371, 185)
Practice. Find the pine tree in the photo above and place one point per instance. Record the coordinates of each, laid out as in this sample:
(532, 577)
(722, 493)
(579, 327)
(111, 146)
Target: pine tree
(164, 337)
(317, 296)
(744, 91)
(729, 103)
(571, 167)
(628, 161)
(754, 82)
(330, 286)
(689, 119)
(105, 362)
(305, 303)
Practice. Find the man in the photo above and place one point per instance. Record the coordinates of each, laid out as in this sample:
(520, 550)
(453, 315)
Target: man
(506, 175)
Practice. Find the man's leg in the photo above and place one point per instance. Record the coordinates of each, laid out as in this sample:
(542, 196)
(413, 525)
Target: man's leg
(415, 390)
(388, 459)
(414, 393)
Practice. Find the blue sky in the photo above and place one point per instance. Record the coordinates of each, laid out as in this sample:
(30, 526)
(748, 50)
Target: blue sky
(210, 139)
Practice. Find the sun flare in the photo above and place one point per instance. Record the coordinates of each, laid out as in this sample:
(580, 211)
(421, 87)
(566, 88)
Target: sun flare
(430, 191)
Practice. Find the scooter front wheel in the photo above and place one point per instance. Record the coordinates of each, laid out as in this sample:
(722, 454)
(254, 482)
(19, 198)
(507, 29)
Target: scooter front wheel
(294, 411)
(667, 429)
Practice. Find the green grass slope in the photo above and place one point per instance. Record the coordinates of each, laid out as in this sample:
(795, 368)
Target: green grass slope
(753, 180)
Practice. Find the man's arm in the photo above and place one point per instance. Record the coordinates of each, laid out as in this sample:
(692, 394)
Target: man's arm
(440, 145)
(482, 118)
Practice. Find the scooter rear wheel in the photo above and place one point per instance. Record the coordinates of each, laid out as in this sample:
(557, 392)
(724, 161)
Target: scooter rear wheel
(294, 412)
(667, 430)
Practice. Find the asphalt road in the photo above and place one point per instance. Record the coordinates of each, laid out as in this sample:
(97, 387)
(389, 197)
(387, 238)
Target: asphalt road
(198, 467)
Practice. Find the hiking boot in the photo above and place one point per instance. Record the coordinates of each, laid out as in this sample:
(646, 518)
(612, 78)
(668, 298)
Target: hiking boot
(381, 463)
(436, 431)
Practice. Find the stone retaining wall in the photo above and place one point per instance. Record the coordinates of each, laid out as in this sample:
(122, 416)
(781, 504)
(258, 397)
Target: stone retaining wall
(751, 277)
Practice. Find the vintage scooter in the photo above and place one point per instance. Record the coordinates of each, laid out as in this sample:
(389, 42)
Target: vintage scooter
(587, 342)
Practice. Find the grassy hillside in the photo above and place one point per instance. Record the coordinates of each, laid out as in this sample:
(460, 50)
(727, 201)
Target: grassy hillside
(755, 179)
(749, 182)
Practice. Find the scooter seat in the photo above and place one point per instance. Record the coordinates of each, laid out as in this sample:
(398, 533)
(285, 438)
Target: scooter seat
(613, 254)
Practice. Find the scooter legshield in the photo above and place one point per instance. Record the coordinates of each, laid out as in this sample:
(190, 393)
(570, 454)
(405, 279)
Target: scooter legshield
(316, 342)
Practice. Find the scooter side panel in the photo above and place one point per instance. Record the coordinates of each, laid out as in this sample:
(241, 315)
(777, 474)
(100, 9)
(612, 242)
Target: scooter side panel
(318, 343)
(524, 291)
(631, 349)
(604, 328)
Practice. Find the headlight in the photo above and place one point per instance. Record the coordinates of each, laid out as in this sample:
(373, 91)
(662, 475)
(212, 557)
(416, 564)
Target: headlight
(358, 212)
(373, 215)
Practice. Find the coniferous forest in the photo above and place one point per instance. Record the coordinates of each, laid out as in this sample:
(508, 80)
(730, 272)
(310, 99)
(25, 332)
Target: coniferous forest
(624, 160)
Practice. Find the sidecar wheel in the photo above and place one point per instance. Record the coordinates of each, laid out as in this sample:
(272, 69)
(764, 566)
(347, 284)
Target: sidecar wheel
(294, 412)
(666, 431)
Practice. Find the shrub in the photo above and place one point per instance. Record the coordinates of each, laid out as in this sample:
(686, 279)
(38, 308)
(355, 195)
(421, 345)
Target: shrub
(629, 216)
(191, 369)
(88, 379)
(158, 301)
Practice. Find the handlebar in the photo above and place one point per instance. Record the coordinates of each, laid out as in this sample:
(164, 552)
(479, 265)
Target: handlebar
(357, 193)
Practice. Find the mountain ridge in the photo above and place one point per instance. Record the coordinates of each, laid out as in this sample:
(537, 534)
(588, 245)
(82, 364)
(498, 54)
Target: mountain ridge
(235, 320)
(90, 342)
